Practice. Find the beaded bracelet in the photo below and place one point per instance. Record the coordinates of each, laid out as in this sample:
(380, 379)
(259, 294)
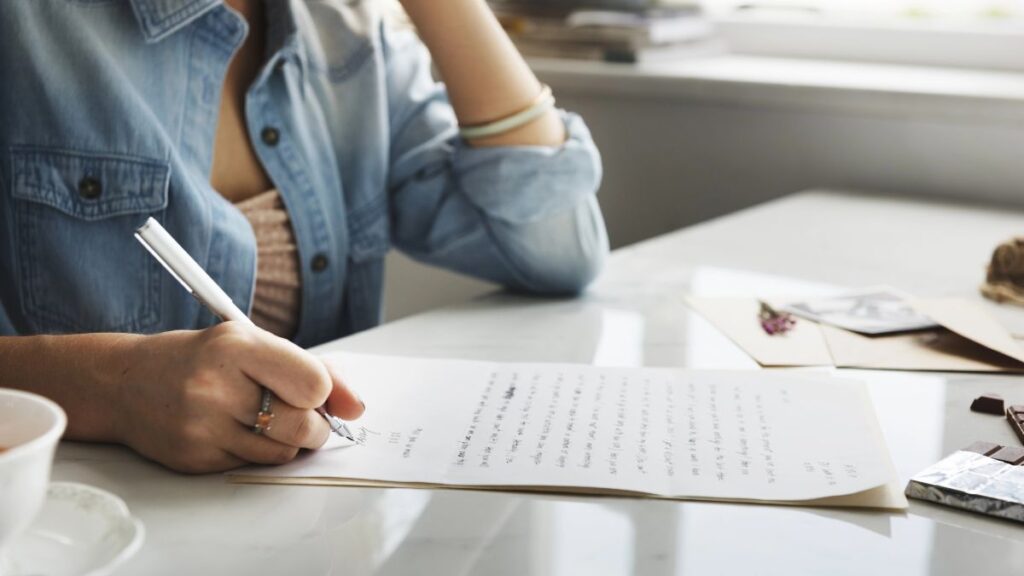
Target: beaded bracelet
(541, 105)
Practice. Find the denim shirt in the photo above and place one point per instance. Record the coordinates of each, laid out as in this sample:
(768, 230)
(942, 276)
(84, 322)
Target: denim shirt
(108, 110)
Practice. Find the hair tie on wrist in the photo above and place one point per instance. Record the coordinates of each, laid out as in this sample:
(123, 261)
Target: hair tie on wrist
(540, 106)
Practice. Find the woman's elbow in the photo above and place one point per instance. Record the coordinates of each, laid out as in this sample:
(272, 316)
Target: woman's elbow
(567, 255)
(577, 274)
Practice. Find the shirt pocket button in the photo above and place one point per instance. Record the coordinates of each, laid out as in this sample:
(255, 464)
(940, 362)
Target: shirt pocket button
(90, 188)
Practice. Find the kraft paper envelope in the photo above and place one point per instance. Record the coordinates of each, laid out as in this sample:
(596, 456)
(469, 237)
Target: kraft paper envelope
(970, 320)
(804, 345)
(972, 340)
(937, 351)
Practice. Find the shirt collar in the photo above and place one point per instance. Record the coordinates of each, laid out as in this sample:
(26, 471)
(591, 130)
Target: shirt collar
(161, 18)
(283, 32)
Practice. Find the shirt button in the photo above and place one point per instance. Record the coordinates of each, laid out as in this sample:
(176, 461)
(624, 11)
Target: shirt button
(270, 136)
(90, 188)
(319, 263)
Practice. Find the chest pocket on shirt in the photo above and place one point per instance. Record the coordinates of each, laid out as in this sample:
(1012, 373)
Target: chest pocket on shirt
(81, 268)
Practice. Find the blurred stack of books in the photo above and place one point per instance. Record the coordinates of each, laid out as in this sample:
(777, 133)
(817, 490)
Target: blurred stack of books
(608, 30)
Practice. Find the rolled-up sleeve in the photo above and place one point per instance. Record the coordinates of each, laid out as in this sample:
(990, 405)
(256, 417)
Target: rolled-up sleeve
(525, 217)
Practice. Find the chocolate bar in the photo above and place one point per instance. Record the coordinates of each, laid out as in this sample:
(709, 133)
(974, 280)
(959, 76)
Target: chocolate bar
(1015, 415)
(983, 448)
(986, 478)
(1012, 455)
(988, 404)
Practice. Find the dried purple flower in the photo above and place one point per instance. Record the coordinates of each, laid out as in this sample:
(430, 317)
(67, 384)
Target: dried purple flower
(774, 322)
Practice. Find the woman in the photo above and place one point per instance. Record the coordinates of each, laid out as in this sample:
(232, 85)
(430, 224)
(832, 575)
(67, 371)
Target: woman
(310, 133)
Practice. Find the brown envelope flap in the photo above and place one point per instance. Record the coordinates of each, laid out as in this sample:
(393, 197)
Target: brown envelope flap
(971, 320)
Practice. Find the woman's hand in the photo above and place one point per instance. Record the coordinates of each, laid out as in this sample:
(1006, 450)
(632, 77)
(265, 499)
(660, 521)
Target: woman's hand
(189, 400)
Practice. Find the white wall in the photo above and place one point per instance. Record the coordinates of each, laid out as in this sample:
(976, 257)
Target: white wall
(411, 287)
(670, 164)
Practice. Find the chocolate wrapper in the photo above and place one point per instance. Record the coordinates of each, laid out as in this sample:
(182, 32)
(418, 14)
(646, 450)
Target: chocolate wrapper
(974, 482)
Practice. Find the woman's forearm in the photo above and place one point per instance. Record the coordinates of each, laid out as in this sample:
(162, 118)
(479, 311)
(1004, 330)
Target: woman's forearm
(82, 373)
(486, 77)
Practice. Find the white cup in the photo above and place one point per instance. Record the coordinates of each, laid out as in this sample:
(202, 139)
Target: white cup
(30, 427)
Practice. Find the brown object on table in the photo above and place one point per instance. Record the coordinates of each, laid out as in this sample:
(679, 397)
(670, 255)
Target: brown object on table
(1005, 279)
(983, 448)
(1013, 455)
(988, 404)
(1015, 416)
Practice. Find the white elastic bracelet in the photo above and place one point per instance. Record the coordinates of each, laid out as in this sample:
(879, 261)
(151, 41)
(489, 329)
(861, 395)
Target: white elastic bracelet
(540, 106)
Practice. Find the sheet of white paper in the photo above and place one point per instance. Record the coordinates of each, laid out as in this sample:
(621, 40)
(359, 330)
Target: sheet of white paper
(690, 434)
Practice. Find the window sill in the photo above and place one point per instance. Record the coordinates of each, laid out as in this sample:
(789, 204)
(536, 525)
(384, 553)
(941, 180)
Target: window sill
(805, 84)
(995, 46)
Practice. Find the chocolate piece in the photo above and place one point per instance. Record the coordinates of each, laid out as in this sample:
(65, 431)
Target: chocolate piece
(1016, 409)
(988, 404)
(1009, 454)
(1016, 420)
(983, 448)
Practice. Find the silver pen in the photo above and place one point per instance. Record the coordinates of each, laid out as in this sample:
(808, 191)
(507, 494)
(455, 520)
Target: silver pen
(191, 275)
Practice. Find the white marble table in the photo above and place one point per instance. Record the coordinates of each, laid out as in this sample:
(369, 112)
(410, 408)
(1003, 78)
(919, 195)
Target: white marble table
(633, 316)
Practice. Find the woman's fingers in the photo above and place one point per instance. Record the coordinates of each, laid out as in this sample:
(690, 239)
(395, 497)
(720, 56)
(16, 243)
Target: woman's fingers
(296, 376)
(299, 428)
(292, 426)
(259, 449)
(298, 382)
(343, 402)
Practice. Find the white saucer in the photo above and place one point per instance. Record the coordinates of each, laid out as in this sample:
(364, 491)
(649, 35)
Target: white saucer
(81, 531)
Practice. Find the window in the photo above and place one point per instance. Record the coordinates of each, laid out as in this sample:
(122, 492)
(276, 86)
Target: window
(916, 13)
(985, 34)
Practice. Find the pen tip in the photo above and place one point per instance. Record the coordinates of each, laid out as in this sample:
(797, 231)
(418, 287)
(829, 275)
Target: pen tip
(337, 425)
(343, 430)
